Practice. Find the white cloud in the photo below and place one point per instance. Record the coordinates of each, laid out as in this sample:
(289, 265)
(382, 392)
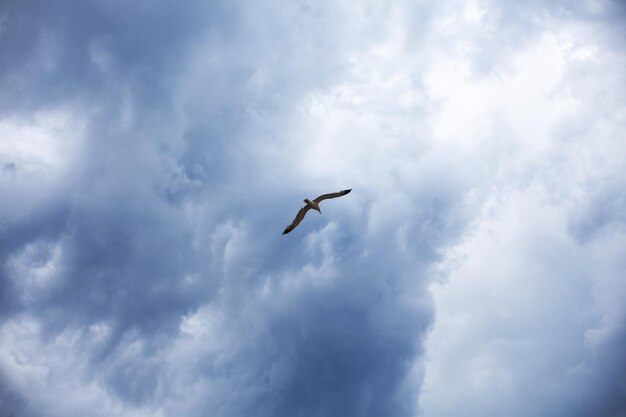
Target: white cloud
(521, 295)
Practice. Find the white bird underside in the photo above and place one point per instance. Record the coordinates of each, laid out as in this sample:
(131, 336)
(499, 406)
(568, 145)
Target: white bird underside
(312, 204)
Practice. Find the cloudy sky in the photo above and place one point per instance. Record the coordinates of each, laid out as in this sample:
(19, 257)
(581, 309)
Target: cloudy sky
(152, 152)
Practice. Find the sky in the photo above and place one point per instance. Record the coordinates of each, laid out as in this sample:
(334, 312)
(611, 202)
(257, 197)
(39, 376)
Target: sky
(152, 152)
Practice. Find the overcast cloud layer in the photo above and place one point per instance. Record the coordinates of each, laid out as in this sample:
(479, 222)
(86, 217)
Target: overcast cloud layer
(152, 152)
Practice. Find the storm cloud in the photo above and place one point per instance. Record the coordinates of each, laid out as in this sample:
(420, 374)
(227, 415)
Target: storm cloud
(151, 154)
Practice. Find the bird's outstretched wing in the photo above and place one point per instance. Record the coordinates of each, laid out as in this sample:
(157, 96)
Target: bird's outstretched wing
(297, 220)
(332, 195)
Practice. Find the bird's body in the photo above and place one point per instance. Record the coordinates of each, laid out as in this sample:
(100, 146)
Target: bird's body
(312, 205)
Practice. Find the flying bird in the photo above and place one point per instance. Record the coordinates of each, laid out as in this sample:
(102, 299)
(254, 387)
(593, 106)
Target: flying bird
(315, 205)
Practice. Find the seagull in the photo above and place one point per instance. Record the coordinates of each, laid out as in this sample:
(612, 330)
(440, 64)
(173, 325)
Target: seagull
(312, 205)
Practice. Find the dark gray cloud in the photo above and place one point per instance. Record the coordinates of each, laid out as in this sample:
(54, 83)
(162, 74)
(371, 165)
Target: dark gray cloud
(154, 152)
(145, 227)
